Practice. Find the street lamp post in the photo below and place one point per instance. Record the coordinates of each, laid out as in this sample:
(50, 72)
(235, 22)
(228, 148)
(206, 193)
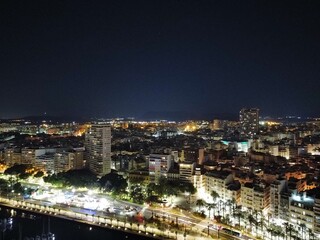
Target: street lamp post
(219, 228)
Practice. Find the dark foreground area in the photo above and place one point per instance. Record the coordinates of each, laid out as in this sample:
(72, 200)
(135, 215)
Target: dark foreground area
(19, 225)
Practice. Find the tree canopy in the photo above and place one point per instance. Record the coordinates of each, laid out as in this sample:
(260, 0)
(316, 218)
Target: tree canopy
(113, 182)
(170, 188)
(17, 169)
(38, 174)
(75, 178)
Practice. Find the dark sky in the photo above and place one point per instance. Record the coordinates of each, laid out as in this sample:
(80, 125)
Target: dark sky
(138, 58)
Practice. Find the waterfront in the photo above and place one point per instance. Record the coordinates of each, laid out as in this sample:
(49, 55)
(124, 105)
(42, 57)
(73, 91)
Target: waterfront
(26, 225)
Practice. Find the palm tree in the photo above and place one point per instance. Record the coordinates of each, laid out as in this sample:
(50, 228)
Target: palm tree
(210, 206)
(303, 229)
(240, 215)
(290, 229)
(200, 203)
(269, 215)
(262, 224)
(286, 226)
(277, 231)
(219, 206)
(227, 219)
(251, 221)
(234, 205)
(223, 208)
(214, 195)
(255, 214)
(271, 231)
(231, 203)
(311, 234)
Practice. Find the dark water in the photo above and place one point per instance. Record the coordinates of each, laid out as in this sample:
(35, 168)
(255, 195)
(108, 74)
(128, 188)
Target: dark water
(29, 225)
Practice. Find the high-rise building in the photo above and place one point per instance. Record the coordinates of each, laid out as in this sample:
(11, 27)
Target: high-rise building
(98, 149)
(249, 121)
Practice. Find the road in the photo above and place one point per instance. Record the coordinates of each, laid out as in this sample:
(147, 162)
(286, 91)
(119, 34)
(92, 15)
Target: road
(79, 203)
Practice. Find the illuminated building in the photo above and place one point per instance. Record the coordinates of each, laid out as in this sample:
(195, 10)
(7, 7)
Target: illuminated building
(242, 146)
(63, 161)
(98, 149)
(249, 121)
(193, 155)
(78, 161)
(314, 149)
(5, 127)
(274, 150)
(301, 210)
(186, 170)
(233, 192)
(297, 184)
(142, 175)
(45, 161)
(217, 181)
(316, 210)
(28, 156)
(219, 124)
(197, 178)
(12, 156)
(297, 174)
(159, 165)
(276, 188)
(173, 173)
(284, 152)
(255, 196)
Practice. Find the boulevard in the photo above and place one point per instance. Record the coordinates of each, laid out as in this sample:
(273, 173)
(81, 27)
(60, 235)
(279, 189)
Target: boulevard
(94, 208)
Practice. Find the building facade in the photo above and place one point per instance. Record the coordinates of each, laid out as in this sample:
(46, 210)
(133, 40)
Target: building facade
(98, 149)
(159, 165)
(249, 122)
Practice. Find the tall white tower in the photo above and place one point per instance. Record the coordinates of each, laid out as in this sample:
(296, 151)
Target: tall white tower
(98, 149)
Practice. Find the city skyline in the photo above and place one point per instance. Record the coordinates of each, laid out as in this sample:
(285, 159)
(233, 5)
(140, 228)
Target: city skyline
(163, 119)
(193, 58)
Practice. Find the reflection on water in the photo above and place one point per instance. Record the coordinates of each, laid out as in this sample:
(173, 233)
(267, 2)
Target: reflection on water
(22, 225)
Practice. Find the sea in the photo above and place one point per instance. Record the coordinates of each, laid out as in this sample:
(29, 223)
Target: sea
(20, 225)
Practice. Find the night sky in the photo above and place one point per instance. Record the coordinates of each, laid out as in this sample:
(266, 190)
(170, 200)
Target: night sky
(159, 58)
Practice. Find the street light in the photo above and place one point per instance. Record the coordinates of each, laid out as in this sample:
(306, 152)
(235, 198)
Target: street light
(219, 228)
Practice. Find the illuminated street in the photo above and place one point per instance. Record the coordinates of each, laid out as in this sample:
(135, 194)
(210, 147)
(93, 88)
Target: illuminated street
(93, 207)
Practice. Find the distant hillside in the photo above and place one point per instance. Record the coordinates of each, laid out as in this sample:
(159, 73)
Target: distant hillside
(180, 116)
(52, 119)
